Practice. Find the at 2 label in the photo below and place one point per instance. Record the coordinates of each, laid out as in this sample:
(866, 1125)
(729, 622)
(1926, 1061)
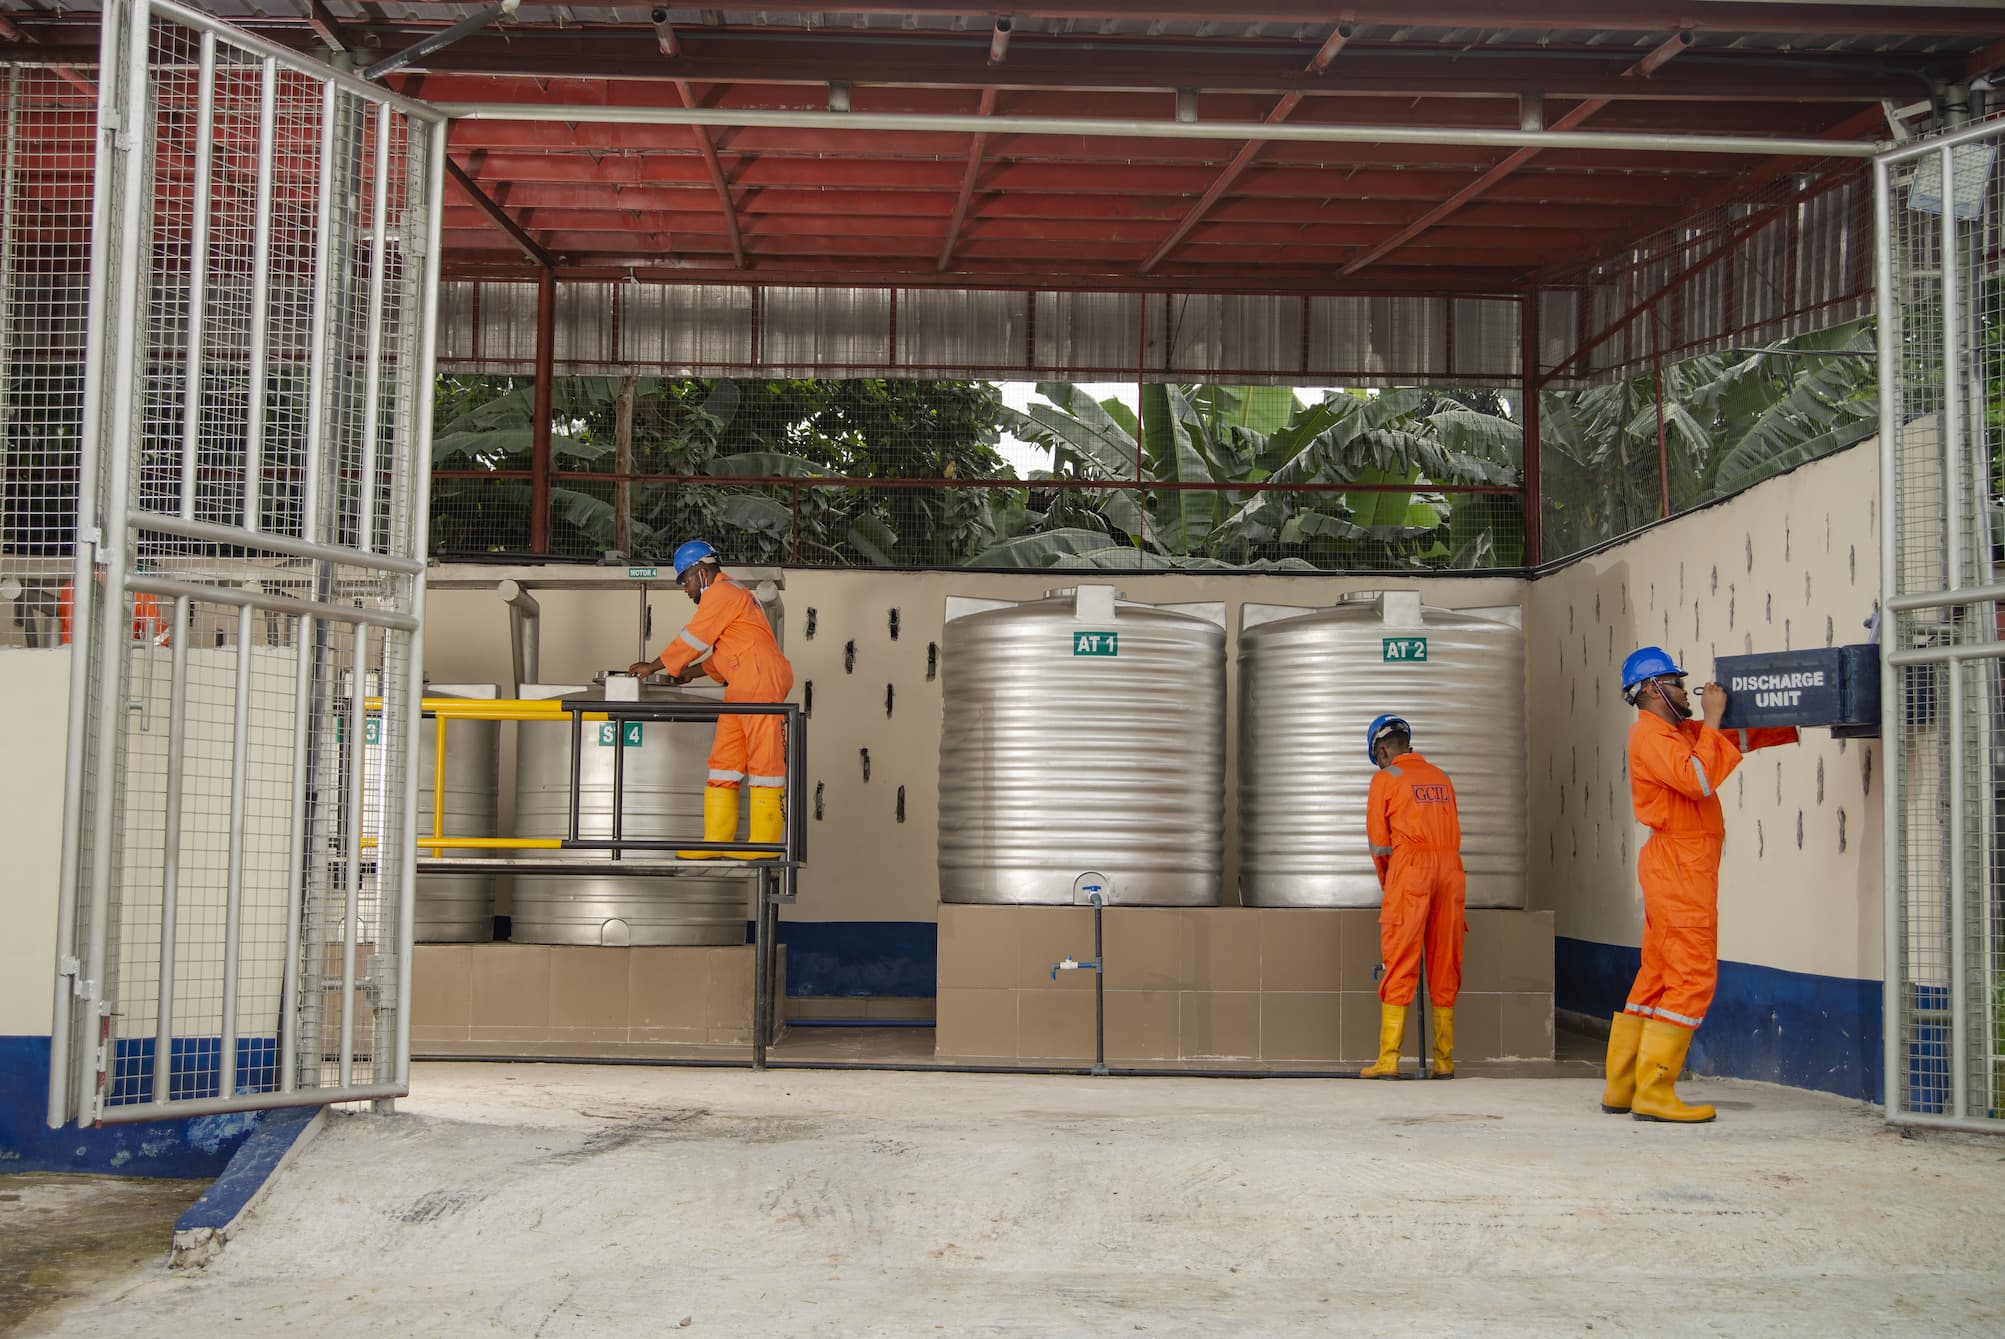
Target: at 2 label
(1404, 650)
(628, 733)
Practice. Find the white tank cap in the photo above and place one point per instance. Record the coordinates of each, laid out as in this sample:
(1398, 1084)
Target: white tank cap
(10, 588)
(1094, 604)
(1400, 608)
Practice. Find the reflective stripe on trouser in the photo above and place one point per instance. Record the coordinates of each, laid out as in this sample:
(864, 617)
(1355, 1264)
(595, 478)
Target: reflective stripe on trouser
(1424, 895)
(1681, 966)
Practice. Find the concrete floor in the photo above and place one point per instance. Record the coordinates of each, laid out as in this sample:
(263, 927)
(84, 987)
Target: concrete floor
(555, 1200)
(61, 1237)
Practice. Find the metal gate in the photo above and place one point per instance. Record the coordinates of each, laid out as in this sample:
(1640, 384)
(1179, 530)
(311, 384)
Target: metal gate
(248, 591)
(1940, 209)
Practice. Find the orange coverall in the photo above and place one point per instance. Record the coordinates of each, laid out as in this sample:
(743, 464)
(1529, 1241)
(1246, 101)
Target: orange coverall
(746, 659)
(1674, 778)
(147, 625)
(1416, 842)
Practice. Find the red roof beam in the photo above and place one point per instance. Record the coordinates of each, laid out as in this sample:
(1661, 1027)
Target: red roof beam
(498, 216)
(715, 170)
(965, 197)
(1642, 69)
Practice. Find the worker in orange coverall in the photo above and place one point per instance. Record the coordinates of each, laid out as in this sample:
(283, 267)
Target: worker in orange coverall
(1416, 843)
(1676, 765)
(147, 624)
(732, 632)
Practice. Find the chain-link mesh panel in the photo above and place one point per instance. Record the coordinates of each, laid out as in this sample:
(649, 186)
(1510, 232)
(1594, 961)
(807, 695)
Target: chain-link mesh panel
(861, 472)
(261, 505)
(1946, 383)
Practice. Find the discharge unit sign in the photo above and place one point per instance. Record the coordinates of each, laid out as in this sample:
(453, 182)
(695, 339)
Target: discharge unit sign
(1835, 686)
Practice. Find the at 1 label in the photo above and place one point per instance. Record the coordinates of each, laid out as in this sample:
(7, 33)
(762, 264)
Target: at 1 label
(1096, 644)
(628, 733)
(1404, 649)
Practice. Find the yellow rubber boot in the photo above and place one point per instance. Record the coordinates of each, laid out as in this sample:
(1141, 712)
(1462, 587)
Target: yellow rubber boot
(769, 823)
(1625, 1031)
(1660, 1058)
(1444, 1041)
(1391, 1033)
(720, 821)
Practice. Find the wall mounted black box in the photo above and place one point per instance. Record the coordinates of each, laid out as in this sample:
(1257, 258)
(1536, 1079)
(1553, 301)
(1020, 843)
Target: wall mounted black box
(1837, 686)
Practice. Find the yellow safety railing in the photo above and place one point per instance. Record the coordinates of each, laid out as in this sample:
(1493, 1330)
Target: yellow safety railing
(447, 709)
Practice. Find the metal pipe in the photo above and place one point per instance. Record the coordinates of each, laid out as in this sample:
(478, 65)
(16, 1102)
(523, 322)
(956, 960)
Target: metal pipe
(116, 441)
(525, 633)
(1892, 714)
(1952, 382)
(664, 33)
(762, 980)
(1916, 1120)
(372, 358)
(999, 40)
(443, 38)
(1948, 655)
(357, 790)
(1528, 417)
(539, 427)
(233, 885)
(1985, 594)
(198, 275)
(304, 743)
(1129, 128)
(170, 849)
(1959, 985)
(277, 604)
(133, 1112)
(69, 985)
(209, 533)
(261, 244)
(1971, 134)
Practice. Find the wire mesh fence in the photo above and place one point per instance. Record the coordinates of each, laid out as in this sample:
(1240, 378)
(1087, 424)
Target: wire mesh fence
(1945, 380)
(257, 383)
(862, 472)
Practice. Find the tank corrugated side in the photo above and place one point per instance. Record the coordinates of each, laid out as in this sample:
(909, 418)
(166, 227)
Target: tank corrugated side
(663, 786)
(1310, 683)
(458, 908)
(1082, 733)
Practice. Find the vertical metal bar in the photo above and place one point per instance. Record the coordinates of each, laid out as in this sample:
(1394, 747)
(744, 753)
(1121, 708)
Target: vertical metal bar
(261, 247)
(539, 430)
(1952, 383)
(420, 484)
(233, 887)
(305, 746)
(1893, 715)
(1959, 1014)
(134, 134)
(65, 1077)
(198, 279)
(762, 979)
(372, 360)
(10, 140)
(438, 780)
(1657, 396)
(358, 791)
(619, 779)
(1531, 500)
(577, 764)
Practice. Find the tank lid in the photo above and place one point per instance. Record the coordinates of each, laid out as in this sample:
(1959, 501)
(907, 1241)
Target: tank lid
(1072, 592)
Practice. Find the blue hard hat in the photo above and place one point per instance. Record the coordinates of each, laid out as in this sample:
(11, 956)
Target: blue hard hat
(1382, 725)
(689, 553)
(1647, 662)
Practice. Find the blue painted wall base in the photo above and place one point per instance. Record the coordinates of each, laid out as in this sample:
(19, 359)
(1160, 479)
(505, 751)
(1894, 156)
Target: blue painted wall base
(199, 1147)
(1821, 1032)
(856, 958)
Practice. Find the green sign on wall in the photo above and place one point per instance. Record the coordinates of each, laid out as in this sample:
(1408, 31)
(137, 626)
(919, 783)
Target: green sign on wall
(1096, 644)
(630, 730)
(1404, 649)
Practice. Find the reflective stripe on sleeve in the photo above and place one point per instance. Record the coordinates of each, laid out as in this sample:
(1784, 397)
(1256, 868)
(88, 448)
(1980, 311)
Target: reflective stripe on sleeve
(692, 640)
(1705, 785)
(1381, 850)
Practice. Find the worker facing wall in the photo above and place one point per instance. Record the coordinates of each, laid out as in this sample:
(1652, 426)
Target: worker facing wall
(1790, 564)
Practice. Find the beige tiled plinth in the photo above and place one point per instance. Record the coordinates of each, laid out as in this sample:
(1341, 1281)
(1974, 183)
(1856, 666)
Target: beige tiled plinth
(1293, 985)
(473, 996)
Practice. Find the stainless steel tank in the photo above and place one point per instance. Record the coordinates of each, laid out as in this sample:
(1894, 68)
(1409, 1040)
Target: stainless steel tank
(458, 908)
(1309, 684)
(666, 766)
(1082, 732)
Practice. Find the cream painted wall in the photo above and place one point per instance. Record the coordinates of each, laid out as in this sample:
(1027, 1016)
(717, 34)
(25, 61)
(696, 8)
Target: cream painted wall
(1790, 564)
(31, 800)
(864, 863)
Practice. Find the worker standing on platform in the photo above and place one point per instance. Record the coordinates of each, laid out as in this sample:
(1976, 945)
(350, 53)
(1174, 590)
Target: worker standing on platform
(731, 636)
(1676, 766)
(1416, 843)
